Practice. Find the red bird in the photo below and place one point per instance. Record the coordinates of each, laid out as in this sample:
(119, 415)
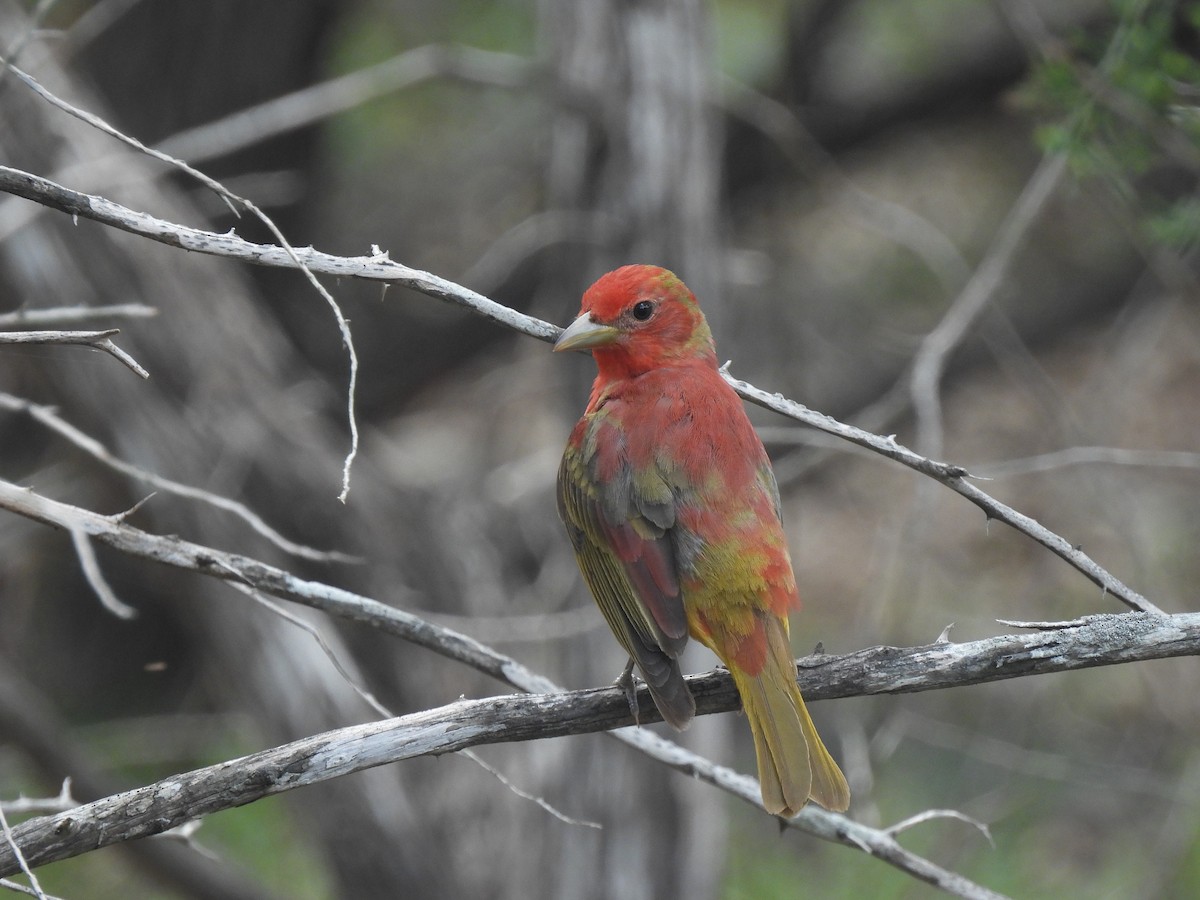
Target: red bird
(671, 505)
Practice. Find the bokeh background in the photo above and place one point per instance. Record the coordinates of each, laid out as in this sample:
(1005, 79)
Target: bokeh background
(827, 175)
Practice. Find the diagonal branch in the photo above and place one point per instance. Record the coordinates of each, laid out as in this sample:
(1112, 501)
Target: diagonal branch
(378, 267)
(48, 416)
(980, 291)
(99, 340)
(955, 478)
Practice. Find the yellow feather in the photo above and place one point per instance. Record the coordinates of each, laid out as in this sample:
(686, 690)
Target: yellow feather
(793, 764)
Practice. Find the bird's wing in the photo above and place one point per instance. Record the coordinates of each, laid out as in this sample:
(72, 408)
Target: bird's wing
(620, 528)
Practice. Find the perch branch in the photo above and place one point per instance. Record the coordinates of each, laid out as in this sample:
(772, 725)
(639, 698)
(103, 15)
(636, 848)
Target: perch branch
(1093, 641)
(169, 803)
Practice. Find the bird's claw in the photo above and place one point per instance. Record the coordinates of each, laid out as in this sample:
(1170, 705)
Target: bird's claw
(625, 681)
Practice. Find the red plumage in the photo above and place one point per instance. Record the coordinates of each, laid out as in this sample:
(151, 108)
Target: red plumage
(669, 499)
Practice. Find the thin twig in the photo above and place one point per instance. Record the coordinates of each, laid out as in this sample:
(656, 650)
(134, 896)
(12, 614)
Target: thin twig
(91, 571)
(955, 478)
(930, 361)
(22, 864)
(355, 683)
(1089, 456)
(48, 416)
(930, 815)
(99, 340)
(525, 795)
(41, 805)
(352, 679)
(375, 267)
(61, 315)
(301, 108)
(234, 201)
(28, 891)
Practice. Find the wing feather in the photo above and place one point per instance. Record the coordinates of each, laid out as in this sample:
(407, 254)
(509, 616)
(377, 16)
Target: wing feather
(622, 539)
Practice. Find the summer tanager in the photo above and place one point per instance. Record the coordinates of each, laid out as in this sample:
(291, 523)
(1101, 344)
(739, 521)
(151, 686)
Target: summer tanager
(673, 510)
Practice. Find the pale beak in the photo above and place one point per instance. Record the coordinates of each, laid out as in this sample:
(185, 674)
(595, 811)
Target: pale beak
(584, 334)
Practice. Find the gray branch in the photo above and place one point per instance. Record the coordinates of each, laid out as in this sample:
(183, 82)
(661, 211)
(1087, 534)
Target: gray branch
(155, 808)
(1053, 647)
(99, 340)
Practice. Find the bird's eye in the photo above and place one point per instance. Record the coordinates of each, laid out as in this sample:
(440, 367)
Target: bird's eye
(643, 310)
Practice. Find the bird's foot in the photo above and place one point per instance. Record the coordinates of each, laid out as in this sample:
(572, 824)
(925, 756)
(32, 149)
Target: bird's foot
(626, 682)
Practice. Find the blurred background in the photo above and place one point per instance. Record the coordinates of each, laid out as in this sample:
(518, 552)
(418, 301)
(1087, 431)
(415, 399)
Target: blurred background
(828, 176)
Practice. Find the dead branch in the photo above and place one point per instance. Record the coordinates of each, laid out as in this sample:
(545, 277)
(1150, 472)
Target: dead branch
(1092, 641)
(156, 808)
(49, 417)
(59, 315)
(99, 340)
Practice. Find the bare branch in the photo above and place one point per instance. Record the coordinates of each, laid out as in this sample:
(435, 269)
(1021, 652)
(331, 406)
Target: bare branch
(525, 795)
(95, 578)
(955, 478)
(1090, 456)
(376, 267)
(167, 804)
(937, 345)
(23, 806)
(930, 815)
(100, 340)
(372, 701)
(233, 201)
(315, 633)
(21, 864)
(49, 417)
(1096, 640)
(1082, 643)
(468, 723)
(289, 112)
(61, 315)
(23, 889)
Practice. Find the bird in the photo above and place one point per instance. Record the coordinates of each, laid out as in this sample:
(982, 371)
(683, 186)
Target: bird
(672, 508)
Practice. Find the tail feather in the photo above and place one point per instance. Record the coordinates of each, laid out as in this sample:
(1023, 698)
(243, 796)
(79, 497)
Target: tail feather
(793, 764)
(662, 675)
(672, 697)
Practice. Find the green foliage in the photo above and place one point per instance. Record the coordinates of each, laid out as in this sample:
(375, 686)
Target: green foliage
(1178, 225)
(1114, 100)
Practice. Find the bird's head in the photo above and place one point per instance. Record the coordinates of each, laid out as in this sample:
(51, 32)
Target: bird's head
(639, 318)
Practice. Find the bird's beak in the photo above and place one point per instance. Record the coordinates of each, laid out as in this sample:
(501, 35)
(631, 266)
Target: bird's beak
(584, 334)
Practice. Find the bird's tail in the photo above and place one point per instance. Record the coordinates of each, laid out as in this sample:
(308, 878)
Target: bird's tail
(793, 764)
